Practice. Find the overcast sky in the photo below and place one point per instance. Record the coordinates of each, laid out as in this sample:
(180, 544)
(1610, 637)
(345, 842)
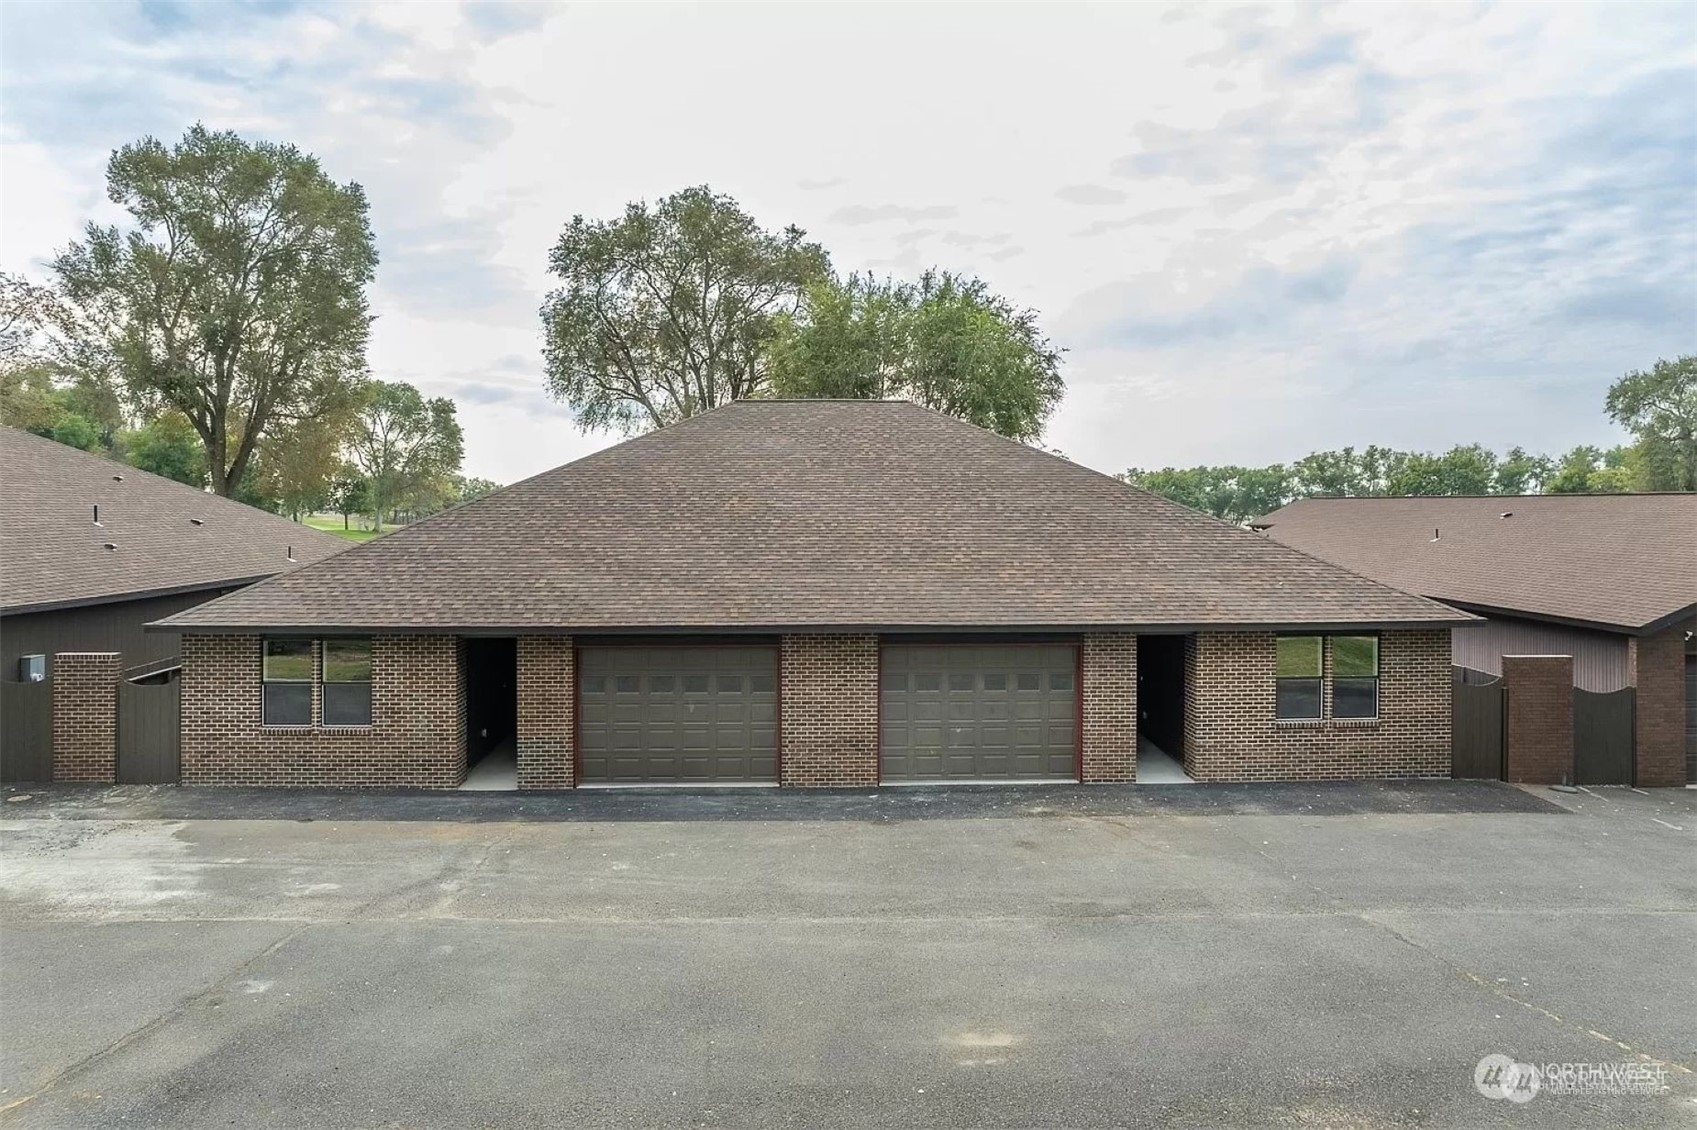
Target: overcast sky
(1257, 231)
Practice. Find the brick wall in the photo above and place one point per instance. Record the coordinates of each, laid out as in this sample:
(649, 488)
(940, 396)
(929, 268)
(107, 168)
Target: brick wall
(1540, 718)
(828, 710)
(1656, 665)
(85, 717)
(1109, 707)
(416, 737)
(547, 701)
(1231, 732)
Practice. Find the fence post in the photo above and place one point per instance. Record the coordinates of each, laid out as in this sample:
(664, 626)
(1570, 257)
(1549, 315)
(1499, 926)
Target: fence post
(85, 716)
(1539, 716)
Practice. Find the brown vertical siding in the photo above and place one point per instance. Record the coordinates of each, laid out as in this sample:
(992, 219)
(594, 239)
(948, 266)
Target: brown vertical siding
(1599, 658)
(97, 627)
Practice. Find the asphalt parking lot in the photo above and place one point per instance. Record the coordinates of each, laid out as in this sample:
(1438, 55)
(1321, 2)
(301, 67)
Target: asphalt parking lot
(1056, 957)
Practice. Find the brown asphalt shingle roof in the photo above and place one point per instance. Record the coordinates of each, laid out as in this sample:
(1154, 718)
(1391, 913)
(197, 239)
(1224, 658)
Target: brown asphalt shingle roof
(815, 514)
(53, 555)
(1622, 560)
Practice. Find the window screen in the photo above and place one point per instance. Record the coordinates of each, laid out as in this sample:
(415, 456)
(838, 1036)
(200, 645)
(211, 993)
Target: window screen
(286, 682)
(347, 682)
(1355, 676)
(1299, 674)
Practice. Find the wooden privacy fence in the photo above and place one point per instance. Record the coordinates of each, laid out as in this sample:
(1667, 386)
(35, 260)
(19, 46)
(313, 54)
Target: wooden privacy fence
(1477, 726)
(149, 733)
(26, 731)
(1603, 737)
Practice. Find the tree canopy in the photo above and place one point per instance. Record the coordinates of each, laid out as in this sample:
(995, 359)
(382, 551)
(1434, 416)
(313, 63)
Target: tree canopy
(946, 342)
(408, 448)
(238, 296)
(1660, 408)
(668, 310)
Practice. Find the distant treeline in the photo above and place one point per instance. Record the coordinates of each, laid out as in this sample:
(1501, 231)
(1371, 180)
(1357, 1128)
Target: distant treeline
(1658, 405)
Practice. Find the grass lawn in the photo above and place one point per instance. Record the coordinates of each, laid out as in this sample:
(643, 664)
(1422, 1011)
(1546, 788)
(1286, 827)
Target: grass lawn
(332, 523)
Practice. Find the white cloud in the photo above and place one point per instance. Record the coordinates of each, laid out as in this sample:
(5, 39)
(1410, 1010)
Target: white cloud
(1259, 231)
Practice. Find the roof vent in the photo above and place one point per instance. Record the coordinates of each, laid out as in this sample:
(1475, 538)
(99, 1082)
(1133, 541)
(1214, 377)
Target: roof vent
(111, 545)
(291, 553)
(197, 522)
(117, 478)
(1506, 514)
(1434, 535)
(97, 513)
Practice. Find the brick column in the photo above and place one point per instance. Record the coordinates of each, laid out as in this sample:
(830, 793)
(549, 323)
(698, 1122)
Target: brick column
(1540, 718)
(547, 728)
(1656, 666)
(1109, 689)
(85, 717)
(828, 711)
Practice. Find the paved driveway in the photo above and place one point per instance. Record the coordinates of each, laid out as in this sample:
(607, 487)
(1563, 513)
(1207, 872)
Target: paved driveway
(1240, 956)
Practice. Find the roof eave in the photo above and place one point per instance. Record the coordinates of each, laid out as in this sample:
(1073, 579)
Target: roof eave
(1647, 628)
(124, 597)
(1175, 628)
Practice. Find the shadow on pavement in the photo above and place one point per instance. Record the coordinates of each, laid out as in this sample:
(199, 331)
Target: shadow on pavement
(1341, 798)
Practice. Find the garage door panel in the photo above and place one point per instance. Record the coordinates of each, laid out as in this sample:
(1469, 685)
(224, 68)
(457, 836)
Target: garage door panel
(996, 712)
(678, 714)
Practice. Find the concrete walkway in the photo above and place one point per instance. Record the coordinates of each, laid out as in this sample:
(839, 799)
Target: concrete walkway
(498, 771)
(1157, 767)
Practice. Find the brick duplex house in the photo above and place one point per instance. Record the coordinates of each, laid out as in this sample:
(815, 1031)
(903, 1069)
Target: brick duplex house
(814, 593)
(1605, 582)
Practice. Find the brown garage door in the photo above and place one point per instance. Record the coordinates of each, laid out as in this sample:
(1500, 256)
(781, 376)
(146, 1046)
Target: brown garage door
(678, 715)
(979, 713)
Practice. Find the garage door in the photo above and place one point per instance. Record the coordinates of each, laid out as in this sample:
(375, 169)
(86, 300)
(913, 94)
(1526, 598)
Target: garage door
(979, 713)
(678, 715)
(1691, 719)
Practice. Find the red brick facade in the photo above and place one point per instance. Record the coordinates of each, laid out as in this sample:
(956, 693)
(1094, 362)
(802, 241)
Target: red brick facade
(828, 711)
(1540, 718)
(1656, 665)
(416, 737)
(1108, 707)
(547, 712)
(1232, 732)
(85, 717)
(828, 715)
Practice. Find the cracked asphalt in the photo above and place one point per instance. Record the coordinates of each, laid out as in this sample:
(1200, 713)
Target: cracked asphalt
(1057, 957)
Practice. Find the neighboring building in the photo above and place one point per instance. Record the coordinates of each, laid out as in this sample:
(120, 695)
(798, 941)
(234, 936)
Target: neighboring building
(814, 593)
(1610, 579)
(91, 550)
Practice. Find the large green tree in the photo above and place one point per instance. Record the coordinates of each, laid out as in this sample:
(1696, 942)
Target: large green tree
(668, 310)
(946, 342)
(168, 446)
(1660, 408)
(407, 447)
(237, 296)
